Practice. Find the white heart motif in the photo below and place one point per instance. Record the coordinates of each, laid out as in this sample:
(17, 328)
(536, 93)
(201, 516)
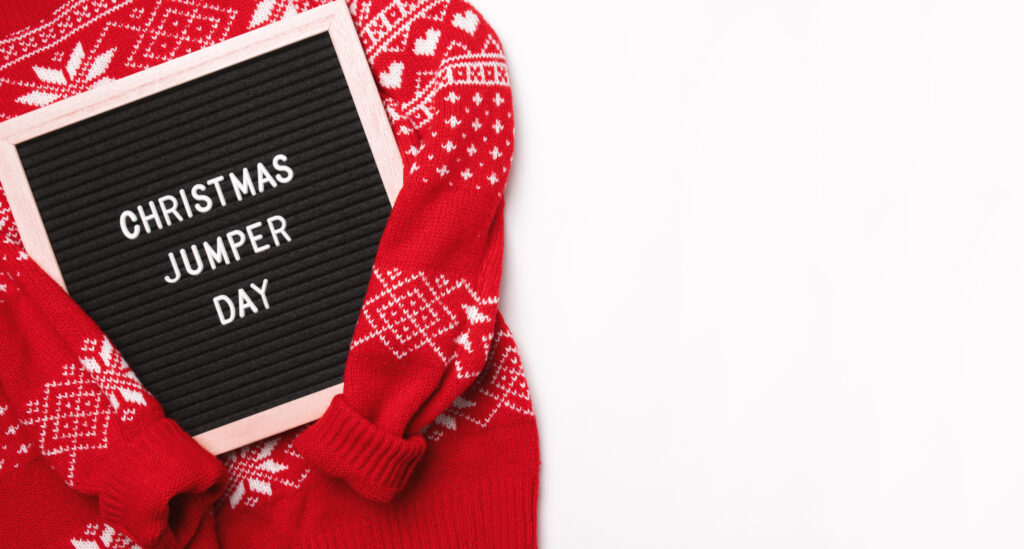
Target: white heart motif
(427, 44)
(466, 21)
(393, 78)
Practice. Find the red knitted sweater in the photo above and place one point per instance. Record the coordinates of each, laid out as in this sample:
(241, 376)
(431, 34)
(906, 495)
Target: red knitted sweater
(433, 444)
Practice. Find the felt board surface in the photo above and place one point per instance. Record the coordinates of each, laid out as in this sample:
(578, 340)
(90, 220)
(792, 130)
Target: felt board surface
(318, 233)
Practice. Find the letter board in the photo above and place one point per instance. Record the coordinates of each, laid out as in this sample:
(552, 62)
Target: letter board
(219, 220)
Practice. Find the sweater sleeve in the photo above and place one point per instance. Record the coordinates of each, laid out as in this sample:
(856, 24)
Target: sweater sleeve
(91, 419)
(430, 312)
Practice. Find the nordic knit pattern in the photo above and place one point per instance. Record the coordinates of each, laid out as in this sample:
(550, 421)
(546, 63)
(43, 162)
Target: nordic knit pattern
(433, 444)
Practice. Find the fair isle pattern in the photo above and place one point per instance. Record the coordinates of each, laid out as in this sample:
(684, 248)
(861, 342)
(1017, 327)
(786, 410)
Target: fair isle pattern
(274, 10)
(387, 29)
(500, 386)
(110, 371)
(462, 66)
(479, 158)
(7, 283)
(75, 75)
(171, 28)
(406, 312)
(65, 22)
(102, 536)
(10, 240)
(256, 470)
(435, 61)
(14, 256)
(74, 413)
(14, 448)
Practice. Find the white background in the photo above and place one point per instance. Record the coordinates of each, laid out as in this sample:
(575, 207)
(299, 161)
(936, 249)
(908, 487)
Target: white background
(765, 264)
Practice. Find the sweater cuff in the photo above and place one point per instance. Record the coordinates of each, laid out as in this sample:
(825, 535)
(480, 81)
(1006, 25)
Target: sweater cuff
(157, 488)
(376, 463)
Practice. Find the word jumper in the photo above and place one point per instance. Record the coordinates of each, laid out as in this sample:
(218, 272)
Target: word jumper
(228, 247)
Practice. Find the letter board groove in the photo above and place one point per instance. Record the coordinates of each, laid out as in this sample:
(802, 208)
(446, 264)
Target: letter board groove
(300, 205)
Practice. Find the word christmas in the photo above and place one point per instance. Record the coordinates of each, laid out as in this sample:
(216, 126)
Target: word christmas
(225, 249)
(201, 198)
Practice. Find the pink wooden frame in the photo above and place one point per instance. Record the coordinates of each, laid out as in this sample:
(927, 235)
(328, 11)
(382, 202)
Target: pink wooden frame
(332, 18)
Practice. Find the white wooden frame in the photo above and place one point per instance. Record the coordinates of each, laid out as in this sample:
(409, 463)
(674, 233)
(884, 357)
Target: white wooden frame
(332, 18)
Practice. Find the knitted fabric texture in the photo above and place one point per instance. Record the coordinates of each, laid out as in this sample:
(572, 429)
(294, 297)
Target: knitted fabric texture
(432, 445)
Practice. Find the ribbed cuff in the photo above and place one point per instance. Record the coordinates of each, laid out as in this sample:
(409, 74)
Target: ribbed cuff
(377, 464)
(161, 464)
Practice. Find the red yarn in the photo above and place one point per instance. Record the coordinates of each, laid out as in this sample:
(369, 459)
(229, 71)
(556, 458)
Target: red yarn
(433, 444)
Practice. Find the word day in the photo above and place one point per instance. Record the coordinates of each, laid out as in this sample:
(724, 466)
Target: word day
(229, 308)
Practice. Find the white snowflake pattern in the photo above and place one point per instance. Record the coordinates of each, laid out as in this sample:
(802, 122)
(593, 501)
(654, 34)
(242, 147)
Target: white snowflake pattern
(79, 73)
(255, 470)
(103, 536)
(501, 385)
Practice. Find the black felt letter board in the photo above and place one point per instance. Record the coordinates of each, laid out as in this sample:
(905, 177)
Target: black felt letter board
(206, 373)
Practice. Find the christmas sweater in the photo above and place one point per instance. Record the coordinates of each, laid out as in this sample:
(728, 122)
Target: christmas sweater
(433, 443)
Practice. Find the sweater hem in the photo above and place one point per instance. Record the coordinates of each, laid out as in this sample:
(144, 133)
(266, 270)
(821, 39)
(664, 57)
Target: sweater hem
(495, 514)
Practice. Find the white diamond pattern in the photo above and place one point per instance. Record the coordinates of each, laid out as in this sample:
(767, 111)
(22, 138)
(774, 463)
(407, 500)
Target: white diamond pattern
(73, 414)
(409, 312)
